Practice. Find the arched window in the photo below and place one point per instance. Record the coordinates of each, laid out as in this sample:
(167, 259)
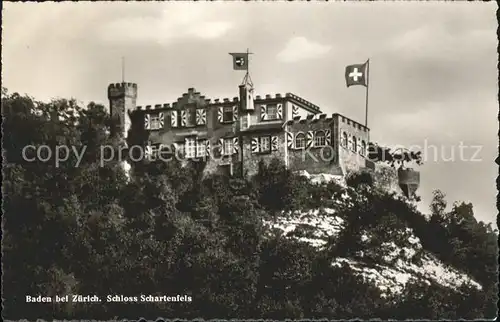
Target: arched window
(363, 148)
(354, 144)
(344, 139)
(319, 138)
(300, 141)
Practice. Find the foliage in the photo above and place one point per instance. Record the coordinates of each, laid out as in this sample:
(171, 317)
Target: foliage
(87, 230)
(377, 153)
(359, 178)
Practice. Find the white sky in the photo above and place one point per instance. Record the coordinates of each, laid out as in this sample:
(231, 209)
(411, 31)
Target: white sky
(433, 74)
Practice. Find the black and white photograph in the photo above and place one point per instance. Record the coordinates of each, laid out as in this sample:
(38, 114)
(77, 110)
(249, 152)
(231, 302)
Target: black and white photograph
(220, 160)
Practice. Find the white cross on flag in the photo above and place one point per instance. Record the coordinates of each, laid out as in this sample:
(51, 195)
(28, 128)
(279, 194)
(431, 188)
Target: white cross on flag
(356, 74)
(240, 61)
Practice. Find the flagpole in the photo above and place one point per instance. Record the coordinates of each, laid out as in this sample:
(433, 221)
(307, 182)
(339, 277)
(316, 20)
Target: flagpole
(248, 62)
(123, 69)
(247, 77)
(367, 85)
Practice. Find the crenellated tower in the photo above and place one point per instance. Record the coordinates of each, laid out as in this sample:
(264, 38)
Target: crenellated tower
(122, 101)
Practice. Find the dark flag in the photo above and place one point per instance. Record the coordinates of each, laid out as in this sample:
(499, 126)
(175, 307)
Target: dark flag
(356, 74)
(240, 61)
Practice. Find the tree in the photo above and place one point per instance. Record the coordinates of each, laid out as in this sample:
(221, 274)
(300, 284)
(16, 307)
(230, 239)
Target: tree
(80, 226)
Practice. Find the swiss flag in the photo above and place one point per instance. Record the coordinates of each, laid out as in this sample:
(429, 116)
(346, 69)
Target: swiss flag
(356, 74)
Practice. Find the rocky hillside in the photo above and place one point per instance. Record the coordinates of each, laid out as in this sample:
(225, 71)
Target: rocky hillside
(390, 265)
(396, 262)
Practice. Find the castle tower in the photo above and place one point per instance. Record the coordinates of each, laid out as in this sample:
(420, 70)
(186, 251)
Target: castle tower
(122, 100)
(246, 105)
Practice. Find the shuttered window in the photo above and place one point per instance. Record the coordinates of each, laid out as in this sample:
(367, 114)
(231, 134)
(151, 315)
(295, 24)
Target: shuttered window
(300, 141)
(201, 148)
(344, 140)
(265, 144)
(154, 122)
(227, 115)
(319, 139)
(228, 146)
(190, 148)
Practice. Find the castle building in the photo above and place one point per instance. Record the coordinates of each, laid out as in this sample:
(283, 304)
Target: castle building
(233, 135)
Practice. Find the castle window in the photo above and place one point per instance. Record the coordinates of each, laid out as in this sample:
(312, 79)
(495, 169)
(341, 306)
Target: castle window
(354, 144)
(319, 138)
(272, 112)
(190, 148)
(300, 141)
(201, 150)
(154, 121)
(265, 144)
(190, 117)
(363, 148)
(228, 146)
(344, 140)
(228, 114)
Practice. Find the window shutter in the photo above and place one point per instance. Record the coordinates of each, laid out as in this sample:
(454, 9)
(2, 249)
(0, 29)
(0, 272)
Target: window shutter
(161, 116)
(201, 116)
(263, 113)
(207, 146)
(146, 122)
(328, 139)
(220, 146)
(254, 145)
(173, 118)
(309, 138)
(235, 113)
(279, 111)
(183, 118)
(148, 151)
(274, 143)
(289, 140)
(236, 146)
(219, 114)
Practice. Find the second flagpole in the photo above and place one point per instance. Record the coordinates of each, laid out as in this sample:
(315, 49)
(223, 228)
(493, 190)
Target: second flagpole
(367, 86)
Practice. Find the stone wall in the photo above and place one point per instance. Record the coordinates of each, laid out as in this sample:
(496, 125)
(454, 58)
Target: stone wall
(386, 178)
(251, 160)
(313, 159)
(350, 160)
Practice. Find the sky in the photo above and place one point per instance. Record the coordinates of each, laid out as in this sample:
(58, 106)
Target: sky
(433, 67)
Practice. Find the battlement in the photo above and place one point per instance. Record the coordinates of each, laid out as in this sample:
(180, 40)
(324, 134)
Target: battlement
(291, 97)
(120, 89)
(325, 118)
(224, 101)
(122, 85)
(218, 101)
(267, 97)
(155, 107)
(191, 92)
(310, 119)
(351, 122)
